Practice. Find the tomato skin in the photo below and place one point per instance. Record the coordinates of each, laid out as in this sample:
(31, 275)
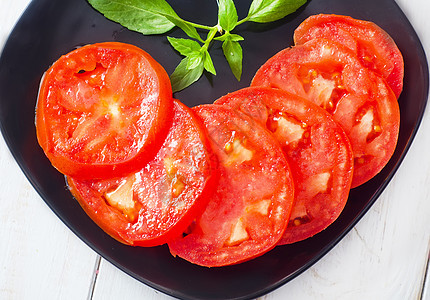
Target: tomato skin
(317, 149)
(167, 193)
(248, 213)
(373, 46)
(103, 110)
(330, 75)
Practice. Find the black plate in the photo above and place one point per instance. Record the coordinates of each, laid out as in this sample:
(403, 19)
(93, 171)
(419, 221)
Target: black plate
(49, 29)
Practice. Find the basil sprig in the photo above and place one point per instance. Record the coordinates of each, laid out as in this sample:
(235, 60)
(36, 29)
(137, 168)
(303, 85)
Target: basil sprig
(158, 17)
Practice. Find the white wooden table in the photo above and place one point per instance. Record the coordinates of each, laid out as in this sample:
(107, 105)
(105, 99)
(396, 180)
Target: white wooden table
(384, 257)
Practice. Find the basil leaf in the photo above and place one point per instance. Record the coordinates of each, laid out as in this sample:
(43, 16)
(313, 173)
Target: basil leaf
(233, 37)
(147, 17)
(208, 63)
(184, 46)
(183, 77)
(189, 48)
(236, 37)
(233, 53)
(194, 60)
(227, 14)
(190, 30)
(264, 11)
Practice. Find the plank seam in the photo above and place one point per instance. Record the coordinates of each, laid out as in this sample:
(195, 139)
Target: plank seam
(94, 278)
(425, 292)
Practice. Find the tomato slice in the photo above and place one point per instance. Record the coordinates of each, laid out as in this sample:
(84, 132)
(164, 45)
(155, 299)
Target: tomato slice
(317, 149)
(374, 47)
(149, 207)
(249, 211)
(330, 75)
(103, 110)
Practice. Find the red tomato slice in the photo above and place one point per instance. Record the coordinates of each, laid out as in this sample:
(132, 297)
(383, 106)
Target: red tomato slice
(374, 47)
(102, 110)
(151, 206)
(249, 211)
(330, 75)
(317, 149)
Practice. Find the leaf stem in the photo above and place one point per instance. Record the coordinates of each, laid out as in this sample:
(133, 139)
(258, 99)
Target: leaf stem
(198, 25)
(211, 35)
(242, 21)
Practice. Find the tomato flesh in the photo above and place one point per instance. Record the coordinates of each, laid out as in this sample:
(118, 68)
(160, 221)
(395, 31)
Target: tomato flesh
(249, 211)
(375, 49)
(102, 110)
(157, 203)
(330, 75)
(317, 149)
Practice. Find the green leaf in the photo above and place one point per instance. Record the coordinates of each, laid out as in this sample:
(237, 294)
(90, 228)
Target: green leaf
(194, 60)
(185, 47)
(157, 17)
(236, 37)
(233, 53)
(189, 29)
(189, 48)
(208, 63)
(183, 77)
(233, 37)
(264, 11)
(227, 14)
(147, 17)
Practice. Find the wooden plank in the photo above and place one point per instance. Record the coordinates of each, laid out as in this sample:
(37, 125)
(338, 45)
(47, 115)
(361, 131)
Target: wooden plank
(39, 257)
(37, 250)
(425, 292)
(114, 284)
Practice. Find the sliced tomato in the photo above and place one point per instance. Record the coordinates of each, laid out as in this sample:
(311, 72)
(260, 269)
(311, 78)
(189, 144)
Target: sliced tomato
(374, 47)
(157, 203)
(317, 149)
(103, 110)
(330, 75)
(249, 211)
